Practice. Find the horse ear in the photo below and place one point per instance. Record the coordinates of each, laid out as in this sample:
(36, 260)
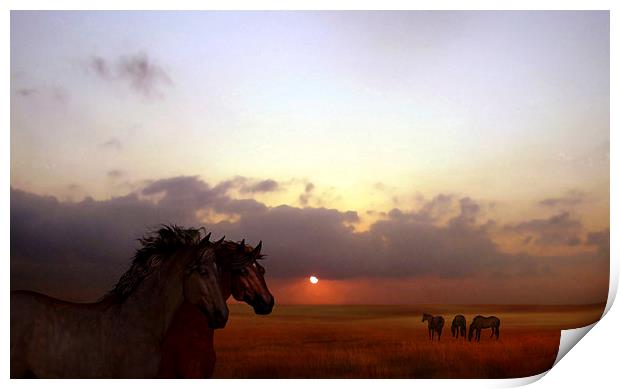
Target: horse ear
(256, 252)
(219, 242)
(241, 246)
(204, 243)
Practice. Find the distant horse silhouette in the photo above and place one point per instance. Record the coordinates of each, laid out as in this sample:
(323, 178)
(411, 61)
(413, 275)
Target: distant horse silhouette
(187, 351)
(435, 324)
(458, 326)
(480, 322)
(121, 335)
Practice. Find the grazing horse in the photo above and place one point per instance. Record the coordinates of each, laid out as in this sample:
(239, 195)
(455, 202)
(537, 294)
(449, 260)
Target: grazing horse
(121, 335)
(480, 322)
(187, 351)
(435, 324)
(458, 326)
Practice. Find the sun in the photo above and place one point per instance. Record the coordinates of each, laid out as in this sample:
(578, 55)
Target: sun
(313, 280)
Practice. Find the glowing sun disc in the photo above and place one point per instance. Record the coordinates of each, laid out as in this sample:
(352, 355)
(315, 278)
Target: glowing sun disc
(313, 280)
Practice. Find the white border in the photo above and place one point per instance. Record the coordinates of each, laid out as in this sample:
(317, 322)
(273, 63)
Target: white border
(593, 365)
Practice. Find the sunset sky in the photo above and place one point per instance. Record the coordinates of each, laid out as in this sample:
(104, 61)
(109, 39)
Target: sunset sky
(402, 157)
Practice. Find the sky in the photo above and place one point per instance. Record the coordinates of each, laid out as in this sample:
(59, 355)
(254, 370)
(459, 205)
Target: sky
(402, 157)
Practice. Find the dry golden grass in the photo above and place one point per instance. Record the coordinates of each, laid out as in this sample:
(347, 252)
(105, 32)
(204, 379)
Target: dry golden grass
(388, 342)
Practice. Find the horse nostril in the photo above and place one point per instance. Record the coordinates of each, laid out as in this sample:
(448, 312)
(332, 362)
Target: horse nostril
(219, 319)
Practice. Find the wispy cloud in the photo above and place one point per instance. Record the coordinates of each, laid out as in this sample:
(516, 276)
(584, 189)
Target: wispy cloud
(112, 144)
(572, 198)
(55, 93)
(115, 173)
(268, 185)
(141, 73)
(26, 92)
(304, 198)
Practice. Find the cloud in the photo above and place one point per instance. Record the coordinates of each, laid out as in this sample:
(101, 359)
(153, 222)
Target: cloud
(559, 229)
(143, 75)
(59, 245)
(572, 198)
(600, 239)
(268, 185)
(305, 197)
(87, 244)
(56, 94)
(115, 173)
(26, 92)
(112, 144)
(187, 194)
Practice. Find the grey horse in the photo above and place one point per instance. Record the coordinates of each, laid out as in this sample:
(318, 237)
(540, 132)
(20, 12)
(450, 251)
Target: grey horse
(119, 336)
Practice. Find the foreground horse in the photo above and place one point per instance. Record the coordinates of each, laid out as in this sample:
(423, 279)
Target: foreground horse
(458, 326)
(435, 324)
(187, 351)
(121, 335)
(480, 322)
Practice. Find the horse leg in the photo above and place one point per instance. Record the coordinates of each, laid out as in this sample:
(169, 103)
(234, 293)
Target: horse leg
(497, 332)
(439, 334)
(478, 332)
(492, 331)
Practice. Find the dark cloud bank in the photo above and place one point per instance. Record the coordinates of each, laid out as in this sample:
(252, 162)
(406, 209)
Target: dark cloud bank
(73, 249)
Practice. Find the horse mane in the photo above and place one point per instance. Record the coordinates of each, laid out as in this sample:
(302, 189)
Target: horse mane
(156, 246)
(232, 260)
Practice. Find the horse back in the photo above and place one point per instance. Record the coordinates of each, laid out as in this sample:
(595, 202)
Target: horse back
(459, 320)
(45, 333)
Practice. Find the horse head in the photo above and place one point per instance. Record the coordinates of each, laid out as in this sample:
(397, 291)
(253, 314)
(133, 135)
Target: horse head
(475, 324)
(201, 286)
(247, 276)
(426, 317)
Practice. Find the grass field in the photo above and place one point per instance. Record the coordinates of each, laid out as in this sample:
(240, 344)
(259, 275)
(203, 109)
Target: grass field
(390, 342)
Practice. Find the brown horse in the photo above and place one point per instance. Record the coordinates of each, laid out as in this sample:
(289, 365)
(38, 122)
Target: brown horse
(187, 350)
(435, 324)
(480, 322)
(458, 326)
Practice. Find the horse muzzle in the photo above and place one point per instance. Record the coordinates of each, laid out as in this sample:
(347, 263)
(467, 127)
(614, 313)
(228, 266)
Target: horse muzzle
(217, 319)
(261, 307)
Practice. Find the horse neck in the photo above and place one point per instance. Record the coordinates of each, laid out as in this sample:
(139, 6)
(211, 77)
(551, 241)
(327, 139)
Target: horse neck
(225, 280)
(153, 304)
